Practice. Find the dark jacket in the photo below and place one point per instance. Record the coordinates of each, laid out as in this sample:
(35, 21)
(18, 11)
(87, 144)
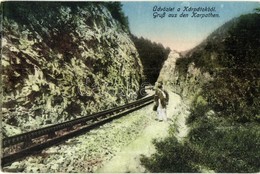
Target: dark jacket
(161, 95)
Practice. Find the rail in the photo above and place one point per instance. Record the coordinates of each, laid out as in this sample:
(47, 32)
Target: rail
(25, 140)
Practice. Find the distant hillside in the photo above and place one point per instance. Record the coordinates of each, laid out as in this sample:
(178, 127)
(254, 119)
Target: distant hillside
(229, 60)
(219, 80)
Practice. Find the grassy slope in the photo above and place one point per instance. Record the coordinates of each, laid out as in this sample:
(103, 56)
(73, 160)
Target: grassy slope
(224, 118)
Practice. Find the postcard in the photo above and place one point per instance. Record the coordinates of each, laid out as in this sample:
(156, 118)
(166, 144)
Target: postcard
(130, 86)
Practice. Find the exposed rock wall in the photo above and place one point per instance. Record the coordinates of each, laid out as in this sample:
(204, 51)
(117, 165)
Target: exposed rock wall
(81, 62)
(222, 71)
(186, 73)
(168, 72)
(180, 83)
(190, 84)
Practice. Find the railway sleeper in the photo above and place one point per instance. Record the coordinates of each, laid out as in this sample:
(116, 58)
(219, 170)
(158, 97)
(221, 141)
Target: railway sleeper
(108, 115)
(83, 123)
(89, 122)
(70, 128)
(95, 120)
(27, 143)
(51, 134)
(103, 116)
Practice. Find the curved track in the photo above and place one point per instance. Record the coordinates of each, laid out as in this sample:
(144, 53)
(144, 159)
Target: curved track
(25, 144)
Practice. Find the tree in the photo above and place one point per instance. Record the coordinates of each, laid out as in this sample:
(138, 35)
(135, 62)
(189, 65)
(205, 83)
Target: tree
(116, 11)
(152, 56)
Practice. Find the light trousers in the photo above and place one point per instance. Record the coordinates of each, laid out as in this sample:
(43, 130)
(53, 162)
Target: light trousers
(161, 112)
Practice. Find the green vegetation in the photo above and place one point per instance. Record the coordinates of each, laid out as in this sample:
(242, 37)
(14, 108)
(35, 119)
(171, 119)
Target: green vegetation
(168, 159)
(227, 147)
(224, 120)
(257, 10)
(212, 145)
(115, 9)
(152, 56)
(235, 88)
(234, 65)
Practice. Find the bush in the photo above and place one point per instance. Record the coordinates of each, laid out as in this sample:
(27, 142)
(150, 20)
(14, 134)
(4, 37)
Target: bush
(213, 144)
(171, 156)
(199, 108)
(228, 148)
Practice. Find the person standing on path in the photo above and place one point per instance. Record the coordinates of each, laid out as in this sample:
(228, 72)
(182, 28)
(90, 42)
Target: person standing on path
(161, 99)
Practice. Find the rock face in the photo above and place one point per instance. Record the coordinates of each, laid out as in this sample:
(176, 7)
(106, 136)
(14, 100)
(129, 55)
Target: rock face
(65, 63)
(222, 72)
(167, 72)
(173, 78)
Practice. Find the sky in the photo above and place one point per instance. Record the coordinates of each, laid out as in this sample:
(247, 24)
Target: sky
(181, 33)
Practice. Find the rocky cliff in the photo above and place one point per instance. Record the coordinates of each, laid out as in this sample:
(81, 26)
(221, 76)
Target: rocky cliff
(64, 60)
(168, 73)
(219, 83)
(187, 83)
(223, 70)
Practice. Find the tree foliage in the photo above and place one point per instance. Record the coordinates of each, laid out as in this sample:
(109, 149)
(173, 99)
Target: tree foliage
(152, 56)
(224, 118)
(116, 11)
(234, 64)
(235, 90)
(257, 10)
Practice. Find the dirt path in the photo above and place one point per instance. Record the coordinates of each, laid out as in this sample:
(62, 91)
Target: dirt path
(127, 160)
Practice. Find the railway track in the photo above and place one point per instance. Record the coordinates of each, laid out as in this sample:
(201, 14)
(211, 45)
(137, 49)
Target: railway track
(19, 146)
